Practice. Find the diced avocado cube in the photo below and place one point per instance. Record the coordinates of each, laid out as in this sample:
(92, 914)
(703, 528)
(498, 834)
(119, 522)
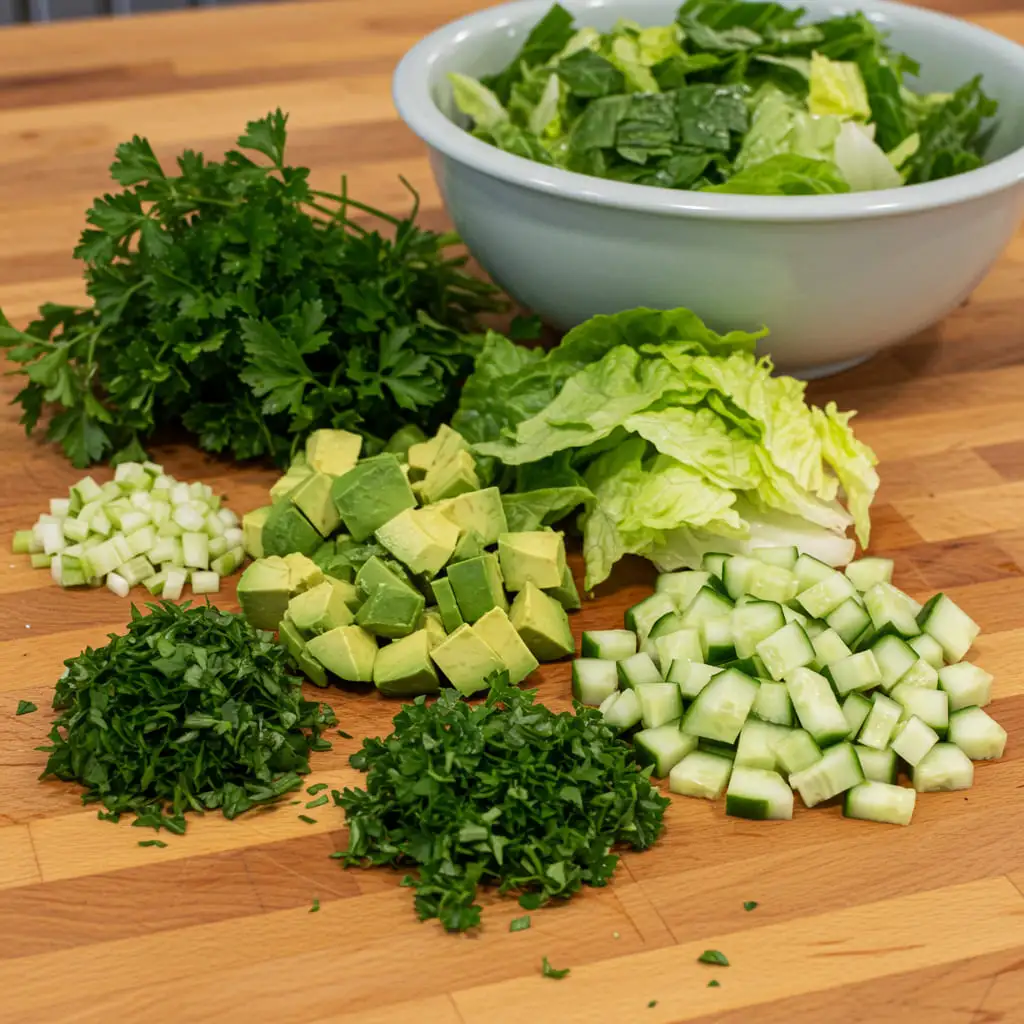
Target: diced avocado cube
(450, 479)
(313, 498)
(496, 630)
(404, 668)
(430, 622)
(444, 445)
(332, 451)
(319, 609)
(467, 660)
(566, 593)
(391, 611)
(284, 485)
(370, 494)
(375, 573)
(263, 592)
(477, 586)
(477, 510)
(542, 623)
(347, 652)
(303, 572)
(307, 664)
(286, 530)
(252, 530)
(404, 438)
(299, 462)
(447, 606)
(349, 592)
(537, 556)
(420, 538)
(469, 546)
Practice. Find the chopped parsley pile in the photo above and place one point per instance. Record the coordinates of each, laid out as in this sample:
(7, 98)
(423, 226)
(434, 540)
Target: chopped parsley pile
(505, 793)
(731, 97)
(190, 710)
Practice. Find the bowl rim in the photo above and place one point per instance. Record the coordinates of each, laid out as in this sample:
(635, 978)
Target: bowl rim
(416, 106)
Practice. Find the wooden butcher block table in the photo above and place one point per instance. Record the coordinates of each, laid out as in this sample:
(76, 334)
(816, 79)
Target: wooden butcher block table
(855, 921)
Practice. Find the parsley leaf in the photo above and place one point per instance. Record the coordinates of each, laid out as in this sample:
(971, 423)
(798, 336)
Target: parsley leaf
(319, 787)
(25, 707)
(714, 983)
(504, 793)
(519, 924)
(153, 842)
(191, 709)
(316, 906)
(750, 905)
(307, 819)
(234, 299)
(713, 956)
(550, 972)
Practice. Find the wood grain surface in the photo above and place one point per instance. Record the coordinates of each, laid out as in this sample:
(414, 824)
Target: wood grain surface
(856, 922)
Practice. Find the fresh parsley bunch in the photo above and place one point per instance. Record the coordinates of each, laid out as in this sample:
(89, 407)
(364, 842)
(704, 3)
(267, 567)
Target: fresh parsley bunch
(237, 300)
(192, 709)
(506, 792)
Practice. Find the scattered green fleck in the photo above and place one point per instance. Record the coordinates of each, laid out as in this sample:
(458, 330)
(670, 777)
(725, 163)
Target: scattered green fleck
(509, 794)
(152, 842)
(318, 802)
(750, 905)
(652, 1004)
(25, 707)
(189, 709)
(307, 819)
(520, 924)
(318, 787)
(714, 983)
(316, 906)
(550, 972)
(344, 735)
(292, 803)
(713, 956)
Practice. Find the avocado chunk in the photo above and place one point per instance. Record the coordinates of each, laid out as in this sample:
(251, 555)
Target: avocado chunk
(477, 586)
(430, 622)
(349, 592)
(391, 611)
(469, 546)
(307, 665)
(542, 623)
(447, 606)
(496, 630)
(450, 479)
(370, 494)
(467, 661)
(252, 531)
(318, 610)
(404, 438)
(566, 593)
(404, 668)
(420, 538)
(313, 499)
(347, 652)
(303, 572)
(263, 592)
(442, 447)
(284, 485)
(481, 511)
(537, 556)
(332, 451)
(375, 573)
(287, 529)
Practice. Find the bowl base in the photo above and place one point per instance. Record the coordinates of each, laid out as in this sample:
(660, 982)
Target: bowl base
(828, 369)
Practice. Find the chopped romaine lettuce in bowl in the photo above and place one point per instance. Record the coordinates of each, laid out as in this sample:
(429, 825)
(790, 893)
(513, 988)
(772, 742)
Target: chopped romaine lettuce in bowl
(845, 177)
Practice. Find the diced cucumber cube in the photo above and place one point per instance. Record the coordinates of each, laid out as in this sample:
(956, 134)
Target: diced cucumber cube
(877, 765)
(754, 622)
(929, 648)
(966, 684)
(856, 709)
(866, 572)
(977, 734)
(921, 673)
(837, 771)
(857, 672)
(682, 587)
(608, 644)
(691, 676)
(827, 595)
(756, 745)
(624, 711)
(796, 751)
(662, 748)
(713, 562)
(195, 549)
(719, 646)
(931, 706)
(881, 802)
(891, 611)
(638, 669)
(758, 794)
(785, 558)
(913, 740)
(947, 623)
(816, 706)
(700, 774)
(683, 644)
(720, 709)
(205, 583)
(593, 681)
(644, 614)
(660, 703)
(894, 657)
(785, 650)
(849, 620)
(809, 571)
(772, 703)
(706, 604)
(944, 768)
(881, 722)
(829, 647)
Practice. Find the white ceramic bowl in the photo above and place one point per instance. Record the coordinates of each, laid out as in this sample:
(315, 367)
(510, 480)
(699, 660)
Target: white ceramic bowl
(836, 278)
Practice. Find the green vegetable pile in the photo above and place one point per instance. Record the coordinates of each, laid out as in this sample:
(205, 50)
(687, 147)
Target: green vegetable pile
(190, 710)
(236, 300)
(731, 97)
(675, 439)
(505, 792)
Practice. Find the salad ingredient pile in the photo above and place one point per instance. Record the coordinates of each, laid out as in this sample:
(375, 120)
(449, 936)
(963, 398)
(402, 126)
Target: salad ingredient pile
(235, 299)
(675, 439)
(755, 677)
(141, 527)
(190, 710)
(400, 570)
(733, 96)
(504, 793)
